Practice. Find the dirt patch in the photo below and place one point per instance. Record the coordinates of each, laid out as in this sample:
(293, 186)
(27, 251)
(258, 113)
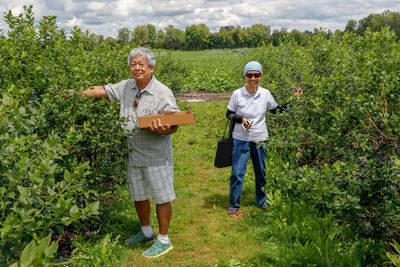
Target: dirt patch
(201, 96)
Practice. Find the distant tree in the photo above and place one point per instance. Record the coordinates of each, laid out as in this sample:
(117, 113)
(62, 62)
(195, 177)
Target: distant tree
(329, 34)
(364, 24)
(338, 35)
(236, 36)
(300, 38)
(111, 41)
(174, 38)
(197, 37)
(275, 37)
(296, 35)
(124, 35)
(151, 35)
(140, 36)
(244, 37)
(99, 39)
(393, 21)
(259, 34)
(387, 19)
(306, 37)
(160, 39)
(351, 26)
(375, 22)
(227, 28)
(224, 38)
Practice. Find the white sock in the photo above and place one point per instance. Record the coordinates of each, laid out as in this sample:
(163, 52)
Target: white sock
(163, 239)
(147, 231)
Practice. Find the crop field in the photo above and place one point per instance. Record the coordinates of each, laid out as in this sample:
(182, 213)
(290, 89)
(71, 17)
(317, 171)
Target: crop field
(213, 70)
(333, 163)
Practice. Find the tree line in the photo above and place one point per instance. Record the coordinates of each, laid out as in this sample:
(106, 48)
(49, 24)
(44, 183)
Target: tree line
(198, 37)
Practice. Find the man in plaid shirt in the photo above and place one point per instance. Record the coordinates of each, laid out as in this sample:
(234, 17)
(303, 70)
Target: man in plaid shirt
(150, 161)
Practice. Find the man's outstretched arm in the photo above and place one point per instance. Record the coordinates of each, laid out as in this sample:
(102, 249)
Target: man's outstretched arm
(95, 92)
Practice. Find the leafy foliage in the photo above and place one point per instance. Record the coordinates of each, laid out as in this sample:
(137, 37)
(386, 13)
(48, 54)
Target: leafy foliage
(105, 253)
(38, 253)
(394, 253)
(59, 157)
(343, 133)
(335, 151)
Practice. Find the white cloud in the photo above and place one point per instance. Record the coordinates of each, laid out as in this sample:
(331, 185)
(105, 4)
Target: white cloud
(106, 17)
(74, 22)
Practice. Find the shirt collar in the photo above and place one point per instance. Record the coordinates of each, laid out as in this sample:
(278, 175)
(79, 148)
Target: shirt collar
(257, 93)
(149, 88)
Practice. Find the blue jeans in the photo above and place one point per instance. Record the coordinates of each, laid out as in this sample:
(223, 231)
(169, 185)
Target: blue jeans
(241, 152)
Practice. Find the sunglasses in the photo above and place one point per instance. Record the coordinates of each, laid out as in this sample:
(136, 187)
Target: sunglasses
(250, 75)
(136, 101)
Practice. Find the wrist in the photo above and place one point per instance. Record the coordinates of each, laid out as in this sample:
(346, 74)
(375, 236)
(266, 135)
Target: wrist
(166, 133)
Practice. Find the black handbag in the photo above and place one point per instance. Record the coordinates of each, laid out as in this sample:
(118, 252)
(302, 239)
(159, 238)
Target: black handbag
(223, 157)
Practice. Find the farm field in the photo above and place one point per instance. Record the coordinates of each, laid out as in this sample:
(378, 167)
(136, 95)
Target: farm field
(213, 70)
(333, 165)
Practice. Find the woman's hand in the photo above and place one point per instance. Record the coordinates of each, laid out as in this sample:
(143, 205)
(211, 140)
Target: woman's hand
(299, 92)
(246, 124)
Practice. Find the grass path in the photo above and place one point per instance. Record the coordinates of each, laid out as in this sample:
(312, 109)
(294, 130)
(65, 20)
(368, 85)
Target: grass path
(202, 233)
(290, 233)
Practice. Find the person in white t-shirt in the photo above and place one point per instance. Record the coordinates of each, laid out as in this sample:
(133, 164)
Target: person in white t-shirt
(247, 108)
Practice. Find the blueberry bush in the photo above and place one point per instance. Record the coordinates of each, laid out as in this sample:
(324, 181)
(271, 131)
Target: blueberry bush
(341, 139)
(337, 145)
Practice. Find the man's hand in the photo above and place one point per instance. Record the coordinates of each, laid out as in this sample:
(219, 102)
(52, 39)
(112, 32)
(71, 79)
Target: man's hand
(157, 127)
(67, 93)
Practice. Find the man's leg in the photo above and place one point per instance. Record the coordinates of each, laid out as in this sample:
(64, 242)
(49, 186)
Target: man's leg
(141, 195)
(143, 211)
(162, 190)
(164, 212)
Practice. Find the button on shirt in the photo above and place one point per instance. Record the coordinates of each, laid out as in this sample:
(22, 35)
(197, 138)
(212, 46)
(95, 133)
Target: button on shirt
(147, 148)
(253, 107)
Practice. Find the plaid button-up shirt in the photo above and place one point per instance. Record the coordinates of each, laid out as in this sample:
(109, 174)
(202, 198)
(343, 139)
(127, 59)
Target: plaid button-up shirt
(147, 148)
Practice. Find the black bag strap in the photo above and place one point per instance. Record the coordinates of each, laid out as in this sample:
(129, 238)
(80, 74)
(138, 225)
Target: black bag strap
(231, 127)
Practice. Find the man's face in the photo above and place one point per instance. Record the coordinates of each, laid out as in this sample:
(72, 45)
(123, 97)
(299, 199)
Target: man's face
(140, 70)
(253, 77)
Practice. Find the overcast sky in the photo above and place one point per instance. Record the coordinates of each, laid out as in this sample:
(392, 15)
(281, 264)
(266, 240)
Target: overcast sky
(106, 17)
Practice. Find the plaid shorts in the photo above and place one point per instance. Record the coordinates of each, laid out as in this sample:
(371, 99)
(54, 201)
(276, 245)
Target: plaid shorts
(146, 181)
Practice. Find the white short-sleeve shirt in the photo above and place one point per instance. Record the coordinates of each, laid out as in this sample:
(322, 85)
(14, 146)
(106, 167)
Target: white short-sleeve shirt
(253, 107)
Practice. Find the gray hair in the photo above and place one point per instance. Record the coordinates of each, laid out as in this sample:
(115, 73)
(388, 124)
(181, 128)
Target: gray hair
(143, 51)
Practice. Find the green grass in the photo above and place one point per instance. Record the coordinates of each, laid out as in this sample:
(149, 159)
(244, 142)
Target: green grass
(290, 233)
(213, 70)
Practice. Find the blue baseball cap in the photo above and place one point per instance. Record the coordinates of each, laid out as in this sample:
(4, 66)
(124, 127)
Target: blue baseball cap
(253, 65)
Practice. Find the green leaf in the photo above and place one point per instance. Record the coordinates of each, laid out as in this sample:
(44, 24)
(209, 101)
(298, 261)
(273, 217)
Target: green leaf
(43, 244)
(11, 222)
(51, 250)
(24, 191)
(93, 208)
(28, 254)
(74, 211)
(6, 100)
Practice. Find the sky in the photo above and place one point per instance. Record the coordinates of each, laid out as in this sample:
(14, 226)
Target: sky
(106, 17)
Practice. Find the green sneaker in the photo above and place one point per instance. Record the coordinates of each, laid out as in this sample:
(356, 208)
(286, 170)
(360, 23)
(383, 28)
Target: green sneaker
(138, 238)
(157, 249)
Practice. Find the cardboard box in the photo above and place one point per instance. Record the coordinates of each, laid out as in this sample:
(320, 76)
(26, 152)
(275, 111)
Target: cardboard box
(175, 118)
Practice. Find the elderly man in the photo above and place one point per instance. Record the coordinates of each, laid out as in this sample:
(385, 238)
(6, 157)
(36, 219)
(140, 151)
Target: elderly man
(150, 163)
